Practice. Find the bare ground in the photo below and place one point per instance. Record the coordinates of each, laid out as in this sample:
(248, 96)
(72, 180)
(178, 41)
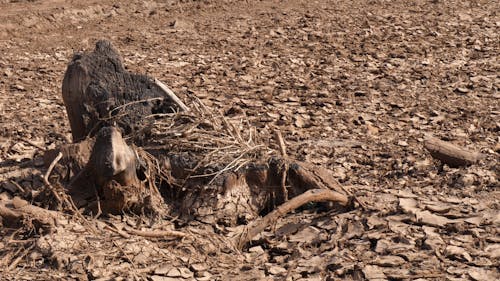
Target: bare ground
(353, 85)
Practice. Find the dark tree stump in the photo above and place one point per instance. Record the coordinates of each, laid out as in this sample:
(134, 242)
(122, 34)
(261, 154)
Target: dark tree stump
(108, 105)
(99, 92)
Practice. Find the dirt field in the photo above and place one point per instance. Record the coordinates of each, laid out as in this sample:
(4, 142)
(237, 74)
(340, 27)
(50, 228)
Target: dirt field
(354, 86)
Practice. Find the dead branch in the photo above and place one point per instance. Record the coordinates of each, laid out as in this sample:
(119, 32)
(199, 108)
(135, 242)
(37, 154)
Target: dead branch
(172, 95)
(313, 195)
(451, 154)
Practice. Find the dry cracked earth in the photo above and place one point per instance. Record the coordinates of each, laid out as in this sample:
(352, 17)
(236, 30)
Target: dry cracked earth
(354, 86)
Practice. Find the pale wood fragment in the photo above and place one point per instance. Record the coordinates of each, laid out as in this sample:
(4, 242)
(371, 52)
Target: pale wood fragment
(451, 154)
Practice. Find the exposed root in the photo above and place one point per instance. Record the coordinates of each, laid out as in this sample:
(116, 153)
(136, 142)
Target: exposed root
(313, 195)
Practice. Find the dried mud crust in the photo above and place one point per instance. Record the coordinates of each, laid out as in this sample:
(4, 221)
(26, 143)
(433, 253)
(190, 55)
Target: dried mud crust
(353, 86)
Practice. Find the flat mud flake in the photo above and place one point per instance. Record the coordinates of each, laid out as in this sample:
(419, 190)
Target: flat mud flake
(481, 274)
(457, 271)
(438, 207)
(408, 205)
(288, 228)
(375, 222)
(162, 278)
(198, 267)
(493, 251)
(428, 218)
(382, 246)
(457, 253)
(185, 273)
(276, 270)
(373, 273)
(175, 272)
(308, 234)
(389, 261)
(432, 240)
(401, 228)
(163, 269)
(299, 122)
(311, 265)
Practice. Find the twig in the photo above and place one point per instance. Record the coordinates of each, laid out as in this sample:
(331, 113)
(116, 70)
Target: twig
(313, 195)
(115, 229)
(156, 233)
(47, 174)
(16, 261)
(32, 143)
(281, 143)
(171, 95)
(18, 186)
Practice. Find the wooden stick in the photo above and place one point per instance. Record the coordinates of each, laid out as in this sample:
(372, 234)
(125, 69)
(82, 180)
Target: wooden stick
(171, 95)
(313, 195)
(448, 153)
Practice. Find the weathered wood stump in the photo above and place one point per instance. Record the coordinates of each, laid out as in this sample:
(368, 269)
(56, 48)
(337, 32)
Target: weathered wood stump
(106, 105)
(98, 92)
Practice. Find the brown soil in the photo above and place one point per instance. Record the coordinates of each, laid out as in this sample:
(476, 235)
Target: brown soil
(354, 86)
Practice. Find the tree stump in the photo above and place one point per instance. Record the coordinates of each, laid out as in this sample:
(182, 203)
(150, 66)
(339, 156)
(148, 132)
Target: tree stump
(98, 92)
(107, 105)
